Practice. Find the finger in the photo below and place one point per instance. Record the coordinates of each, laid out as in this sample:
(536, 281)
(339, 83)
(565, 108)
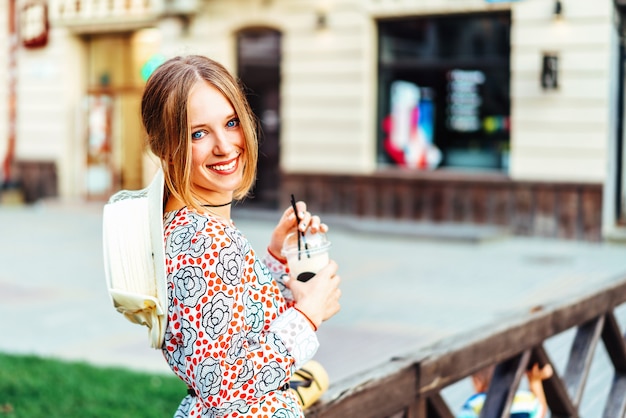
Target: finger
(289, 217)
(305, 220)
(330, 269)
(335, 281)
(315, 225)
(547, 371)
(291, 283)
(289, 212)
(301, 206)
(286, 280)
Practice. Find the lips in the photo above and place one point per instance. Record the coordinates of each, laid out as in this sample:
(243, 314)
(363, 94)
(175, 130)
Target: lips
(225, 167)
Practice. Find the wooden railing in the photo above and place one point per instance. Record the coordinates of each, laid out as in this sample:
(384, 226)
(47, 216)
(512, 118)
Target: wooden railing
(411, 386)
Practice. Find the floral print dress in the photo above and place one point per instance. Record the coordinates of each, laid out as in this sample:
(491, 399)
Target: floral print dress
(231, 336)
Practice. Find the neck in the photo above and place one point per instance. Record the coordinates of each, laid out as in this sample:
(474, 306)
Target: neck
(220, 211)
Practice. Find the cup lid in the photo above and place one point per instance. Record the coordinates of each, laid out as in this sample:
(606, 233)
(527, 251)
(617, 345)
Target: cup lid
(314, 242)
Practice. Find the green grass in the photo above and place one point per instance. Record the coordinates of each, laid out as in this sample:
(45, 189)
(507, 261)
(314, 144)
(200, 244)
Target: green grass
(33, 387)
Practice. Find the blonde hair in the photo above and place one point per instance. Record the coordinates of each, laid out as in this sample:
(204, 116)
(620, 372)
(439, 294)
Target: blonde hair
(164, 116)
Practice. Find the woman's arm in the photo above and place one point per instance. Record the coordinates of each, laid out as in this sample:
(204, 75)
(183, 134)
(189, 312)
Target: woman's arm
(277, 267)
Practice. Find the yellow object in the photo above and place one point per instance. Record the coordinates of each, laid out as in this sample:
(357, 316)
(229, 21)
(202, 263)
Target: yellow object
(309, 383)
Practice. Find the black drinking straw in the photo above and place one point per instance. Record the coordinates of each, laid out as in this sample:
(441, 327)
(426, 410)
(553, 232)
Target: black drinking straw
(295, 211)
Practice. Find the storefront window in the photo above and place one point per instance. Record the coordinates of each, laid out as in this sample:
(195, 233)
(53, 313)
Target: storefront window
(444, 91)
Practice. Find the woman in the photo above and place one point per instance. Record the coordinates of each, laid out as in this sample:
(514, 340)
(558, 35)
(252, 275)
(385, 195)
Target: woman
(232, 335)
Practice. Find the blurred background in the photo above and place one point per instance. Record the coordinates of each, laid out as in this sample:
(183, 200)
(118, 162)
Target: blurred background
(443, 125)
(491, 112)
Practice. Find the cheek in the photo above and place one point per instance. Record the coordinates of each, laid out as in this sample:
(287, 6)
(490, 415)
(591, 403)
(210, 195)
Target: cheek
(240, 141)
(198, 157)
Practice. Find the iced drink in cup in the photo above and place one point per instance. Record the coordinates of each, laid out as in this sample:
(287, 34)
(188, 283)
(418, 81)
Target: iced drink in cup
(307, 256)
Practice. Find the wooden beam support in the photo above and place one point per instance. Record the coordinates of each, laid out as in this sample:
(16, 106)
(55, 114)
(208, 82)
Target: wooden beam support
(581, 356)
(616, 402)
(506, 379)
(437, 407)
(614, 342)
(558, 399)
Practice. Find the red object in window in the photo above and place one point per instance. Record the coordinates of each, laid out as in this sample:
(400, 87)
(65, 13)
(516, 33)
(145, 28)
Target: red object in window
(34, 25)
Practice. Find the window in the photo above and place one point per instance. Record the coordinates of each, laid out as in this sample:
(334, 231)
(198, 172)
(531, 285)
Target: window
(444, 91)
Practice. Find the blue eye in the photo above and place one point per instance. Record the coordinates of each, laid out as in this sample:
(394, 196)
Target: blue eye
(233, 123)
(197, 135)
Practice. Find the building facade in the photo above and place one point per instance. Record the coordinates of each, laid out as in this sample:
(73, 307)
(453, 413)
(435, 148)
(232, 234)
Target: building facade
(489, 112)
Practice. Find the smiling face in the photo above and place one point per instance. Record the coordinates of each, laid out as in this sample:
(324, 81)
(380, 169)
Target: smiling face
(217, 145)
(197, 118)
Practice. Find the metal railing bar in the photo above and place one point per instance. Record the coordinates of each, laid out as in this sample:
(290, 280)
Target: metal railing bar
(506, 379)
(581, 356)
(558, 399)
(616, 401)
(614, 342)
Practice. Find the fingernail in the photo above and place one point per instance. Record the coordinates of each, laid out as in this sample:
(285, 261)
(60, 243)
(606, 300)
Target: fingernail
(301, 214)
(302, 225)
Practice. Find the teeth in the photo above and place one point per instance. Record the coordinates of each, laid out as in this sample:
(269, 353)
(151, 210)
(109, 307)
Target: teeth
(224, 167)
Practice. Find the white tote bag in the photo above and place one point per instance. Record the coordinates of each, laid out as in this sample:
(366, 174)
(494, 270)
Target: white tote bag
(134, 258)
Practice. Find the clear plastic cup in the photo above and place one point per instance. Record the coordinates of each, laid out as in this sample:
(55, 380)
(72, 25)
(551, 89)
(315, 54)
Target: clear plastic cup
(310, 258)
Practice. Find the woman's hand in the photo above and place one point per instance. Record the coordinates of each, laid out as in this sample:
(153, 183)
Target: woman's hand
(318, 298)
(287, 223)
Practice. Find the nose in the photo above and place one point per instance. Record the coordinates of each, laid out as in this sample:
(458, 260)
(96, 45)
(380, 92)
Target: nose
(223, 145)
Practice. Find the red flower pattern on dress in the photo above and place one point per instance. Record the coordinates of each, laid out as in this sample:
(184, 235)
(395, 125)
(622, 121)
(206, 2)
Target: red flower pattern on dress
(231, 334)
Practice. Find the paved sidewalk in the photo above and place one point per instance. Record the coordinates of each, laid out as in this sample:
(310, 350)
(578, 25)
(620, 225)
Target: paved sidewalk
(401, 290)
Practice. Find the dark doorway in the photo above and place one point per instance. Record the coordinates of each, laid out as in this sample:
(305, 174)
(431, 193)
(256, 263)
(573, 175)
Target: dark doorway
(258, 60)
